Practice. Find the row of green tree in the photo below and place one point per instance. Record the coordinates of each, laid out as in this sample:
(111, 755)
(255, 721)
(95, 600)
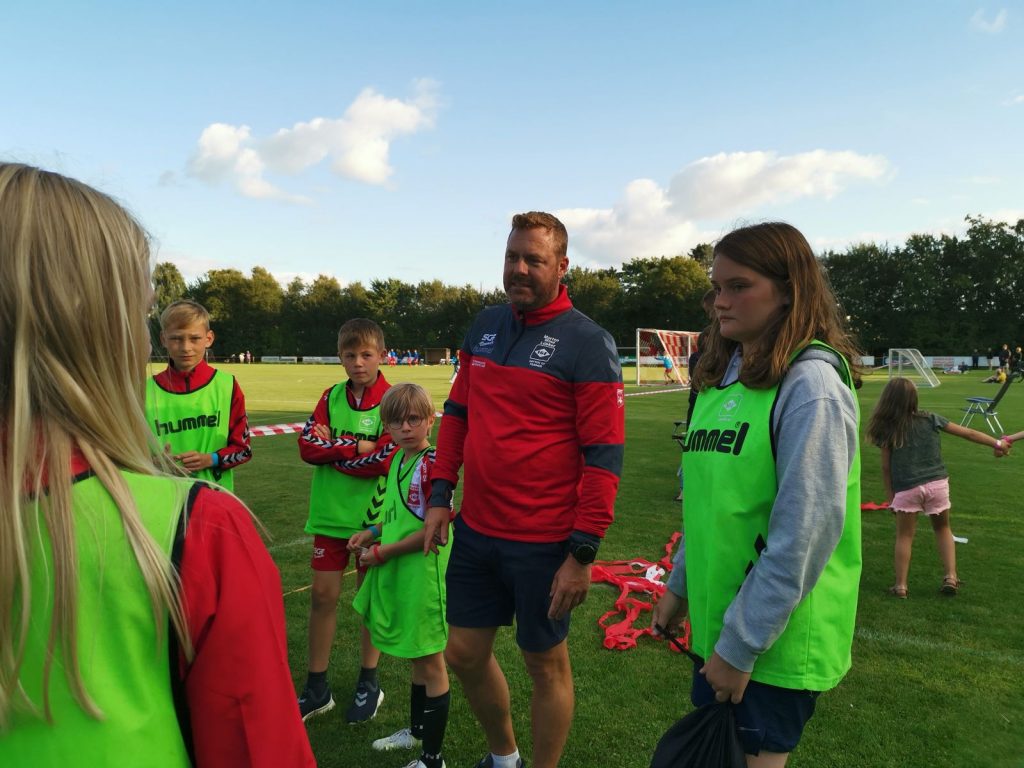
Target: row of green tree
(940, 294)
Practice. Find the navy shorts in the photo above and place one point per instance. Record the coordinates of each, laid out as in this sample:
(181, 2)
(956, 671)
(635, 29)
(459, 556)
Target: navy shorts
(492, 580)
(769, 718)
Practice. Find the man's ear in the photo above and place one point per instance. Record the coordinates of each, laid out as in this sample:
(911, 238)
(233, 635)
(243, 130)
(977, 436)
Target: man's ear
(210, 336)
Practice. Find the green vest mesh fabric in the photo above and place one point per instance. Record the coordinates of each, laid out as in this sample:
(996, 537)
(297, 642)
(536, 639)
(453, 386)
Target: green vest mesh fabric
(341, 505)
(402, 602)
(194, 421)
(124, 667)
(730, 488)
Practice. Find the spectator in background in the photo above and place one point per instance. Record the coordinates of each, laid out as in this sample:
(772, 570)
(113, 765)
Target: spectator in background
(1004, 357)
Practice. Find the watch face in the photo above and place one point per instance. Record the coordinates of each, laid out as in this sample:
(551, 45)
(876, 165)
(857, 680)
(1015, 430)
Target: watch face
(584, 553)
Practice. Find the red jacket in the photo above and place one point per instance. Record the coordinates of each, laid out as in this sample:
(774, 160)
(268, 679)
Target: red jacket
(237, 451)
(536, 420)
(342, 451)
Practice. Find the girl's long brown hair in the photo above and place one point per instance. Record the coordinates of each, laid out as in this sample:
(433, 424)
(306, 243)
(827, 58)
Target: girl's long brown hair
(780, 252)
(893, 414)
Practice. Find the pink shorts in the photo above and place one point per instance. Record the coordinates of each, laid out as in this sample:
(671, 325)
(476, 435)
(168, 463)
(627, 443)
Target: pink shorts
(331, 554)
(931, 498)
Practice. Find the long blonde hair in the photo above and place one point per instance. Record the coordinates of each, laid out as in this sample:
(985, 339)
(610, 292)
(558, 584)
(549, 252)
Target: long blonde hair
(781, 253)
(74, 292)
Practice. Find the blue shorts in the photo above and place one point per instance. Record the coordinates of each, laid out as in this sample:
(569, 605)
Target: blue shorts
(492, 580)
(769, 718)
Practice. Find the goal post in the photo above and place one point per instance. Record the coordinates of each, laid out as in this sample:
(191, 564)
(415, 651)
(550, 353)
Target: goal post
(653, 345)
(910, 363)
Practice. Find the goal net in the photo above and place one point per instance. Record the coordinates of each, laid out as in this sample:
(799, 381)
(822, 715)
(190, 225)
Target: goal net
(910, 364)
(654, 346)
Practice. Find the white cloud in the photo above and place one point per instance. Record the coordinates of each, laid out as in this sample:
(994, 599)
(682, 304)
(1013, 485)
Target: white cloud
(650, 220)
(357, 143)
(984, 180)
(993, 26)
(1014, 101)
(1009, 215)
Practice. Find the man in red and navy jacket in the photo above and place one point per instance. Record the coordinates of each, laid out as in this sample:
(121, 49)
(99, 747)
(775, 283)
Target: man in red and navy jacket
(535, 419)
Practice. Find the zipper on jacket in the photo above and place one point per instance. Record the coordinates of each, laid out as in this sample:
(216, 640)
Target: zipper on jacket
(522, 329)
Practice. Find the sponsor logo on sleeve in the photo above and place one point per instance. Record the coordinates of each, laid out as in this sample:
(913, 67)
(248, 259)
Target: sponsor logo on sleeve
(486, 344)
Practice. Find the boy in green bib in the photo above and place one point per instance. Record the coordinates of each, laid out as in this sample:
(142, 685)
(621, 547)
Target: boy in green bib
(402, 600)
(351, 451)
(196, 412)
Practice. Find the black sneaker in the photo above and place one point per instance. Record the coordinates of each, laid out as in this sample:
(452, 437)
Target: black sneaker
(310, 705)
(488, 762)
(364, 705)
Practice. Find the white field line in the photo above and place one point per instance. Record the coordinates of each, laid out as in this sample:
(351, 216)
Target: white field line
(948, 649)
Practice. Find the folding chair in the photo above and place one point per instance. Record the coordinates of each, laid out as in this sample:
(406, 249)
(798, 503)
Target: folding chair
(679, 432)
(986, 406)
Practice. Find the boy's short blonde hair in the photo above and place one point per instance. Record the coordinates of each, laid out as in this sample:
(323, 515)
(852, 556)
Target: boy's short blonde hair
(183, 313)
(404, 400)
(360, 332)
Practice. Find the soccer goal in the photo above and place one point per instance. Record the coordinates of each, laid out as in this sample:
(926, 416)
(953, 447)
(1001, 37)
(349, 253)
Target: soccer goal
(910, 364)
(654, 345)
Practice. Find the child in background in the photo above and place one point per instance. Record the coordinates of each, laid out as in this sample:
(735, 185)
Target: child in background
(345, 441)
(669, 364)
(916, 480)
(187, 402)
(142, 619)
(402, 600)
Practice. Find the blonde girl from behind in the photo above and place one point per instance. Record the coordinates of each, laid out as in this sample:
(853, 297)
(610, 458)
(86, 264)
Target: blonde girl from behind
(105, 650)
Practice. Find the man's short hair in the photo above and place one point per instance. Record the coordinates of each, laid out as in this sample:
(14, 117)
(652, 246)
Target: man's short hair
(360, 332)
(404, 400)
(183, 313)
(541, 220)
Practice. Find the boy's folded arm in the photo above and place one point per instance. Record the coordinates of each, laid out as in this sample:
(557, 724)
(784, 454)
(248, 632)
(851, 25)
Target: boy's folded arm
(372, 464)
(314, 449)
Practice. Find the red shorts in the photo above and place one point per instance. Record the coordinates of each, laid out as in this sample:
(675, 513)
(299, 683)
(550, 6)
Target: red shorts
(331, 554)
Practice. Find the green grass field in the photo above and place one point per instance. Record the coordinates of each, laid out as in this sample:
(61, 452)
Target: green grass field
(935, 681)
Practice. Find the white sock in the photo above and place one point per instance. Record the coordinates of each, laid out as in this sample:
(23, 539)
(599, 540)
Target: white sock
(505, 761)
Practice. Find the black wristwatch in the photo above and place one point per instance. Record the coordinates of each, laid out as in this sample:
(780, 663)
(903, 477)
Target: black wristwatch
(583, 547)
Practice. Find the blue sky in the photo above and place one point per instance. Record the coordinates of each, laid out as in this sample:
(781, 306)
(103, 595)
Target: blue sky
(396, 139)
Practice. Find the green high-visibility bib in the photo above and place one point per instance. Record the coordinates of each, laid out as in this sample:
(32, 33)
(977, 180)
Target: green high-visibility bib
(731, 486)
(341, 505)
(194, 421)
(124, 666)
(402, 602)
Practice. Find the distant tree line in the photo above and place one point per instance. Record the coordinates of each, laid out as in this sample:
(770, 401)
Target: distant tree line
(943, 295)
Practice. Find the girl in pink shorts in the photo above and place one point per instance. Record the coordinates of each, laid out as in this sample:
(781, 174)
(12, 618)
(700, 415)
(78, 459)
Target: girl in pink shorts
(916, 480)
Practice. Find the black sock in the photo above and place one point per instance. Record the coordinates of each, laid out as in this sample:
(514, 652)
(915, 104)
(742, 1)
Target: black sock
(316, 682)
(435, 721)
(417, 700)
(369, 675)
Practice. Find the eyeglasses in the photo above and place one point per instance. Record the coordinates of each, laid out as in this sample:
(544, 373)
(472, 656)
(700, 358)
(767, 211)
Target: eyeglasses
(413, 421)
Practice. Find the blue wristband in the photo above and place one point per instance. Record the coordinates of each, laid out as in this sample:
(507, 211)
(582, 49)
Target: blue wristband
(374, 531)
(216, 459)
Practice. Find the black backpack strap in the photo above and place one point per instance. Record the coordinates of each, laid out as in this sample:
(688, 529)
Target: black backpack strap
(173, 644)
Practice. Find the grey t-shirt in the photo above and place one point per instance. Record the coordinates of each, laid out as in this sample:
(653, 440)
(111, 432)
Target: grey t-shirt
(919, 460)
